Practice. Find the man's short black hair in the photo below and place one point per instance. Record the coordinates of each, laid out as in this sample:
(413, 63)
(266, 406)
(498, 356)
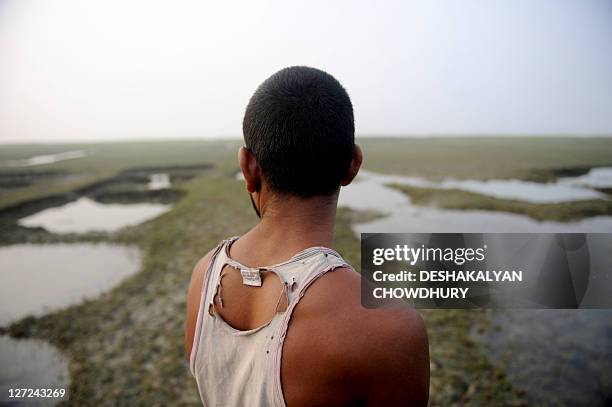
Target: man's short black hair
(299, 125)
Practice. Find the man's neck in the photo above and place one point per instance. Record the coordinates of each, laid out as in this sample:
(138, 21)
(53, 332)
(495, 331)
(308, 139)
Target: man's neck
(291, 224)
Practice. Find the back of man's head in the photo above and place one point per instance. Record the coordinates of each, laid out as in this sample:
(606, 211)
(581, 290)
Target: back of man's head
(299, 126)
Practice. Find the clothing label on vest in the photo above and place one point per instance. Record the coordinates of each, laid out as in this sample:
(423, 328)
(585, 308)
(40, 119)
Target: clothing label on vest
(251, 277)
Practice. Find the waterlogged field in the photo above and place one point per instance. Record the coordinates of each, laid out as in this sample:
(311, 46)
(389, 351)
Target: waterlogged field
(125, 346)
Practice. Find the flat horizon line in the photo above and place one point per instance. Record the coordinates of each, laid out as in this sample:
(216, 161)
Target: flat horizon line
(359, 136)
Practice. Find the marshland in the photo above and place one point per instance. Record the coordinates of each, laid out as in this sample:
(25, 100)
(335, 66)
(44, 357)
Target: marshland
(97, 250)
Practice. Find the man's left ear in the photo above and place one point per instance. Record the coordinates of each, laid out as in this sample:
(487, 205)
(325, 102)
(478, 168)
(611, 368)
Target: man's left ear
(354, 167)
(250, 169)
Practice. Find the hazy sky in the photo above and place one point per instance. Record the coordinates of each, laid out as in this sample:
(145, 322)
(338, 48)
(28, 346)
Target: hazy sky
(76, 70)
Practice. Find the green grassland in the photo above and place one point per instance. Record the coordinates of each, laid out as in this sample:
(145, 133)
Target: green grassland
(125, 347)
(527, 158)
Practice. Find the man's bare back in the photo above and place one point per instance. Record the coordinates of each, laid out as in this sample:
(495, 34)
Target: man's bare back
(336, 352)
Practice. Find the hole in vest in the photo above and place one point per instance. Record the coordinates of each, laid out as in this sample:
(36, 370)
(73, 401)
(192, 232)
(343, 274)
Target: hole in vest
(246, 307)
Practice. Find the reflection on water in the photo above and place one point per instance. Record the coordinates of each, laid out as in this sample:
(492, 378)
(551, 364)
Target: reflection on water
(596, 178)
(55, 276)
(31, 363)
(534, 192)
(85, 215)
(369, 191)
(46, 159)
(159, 181)
(559, 357)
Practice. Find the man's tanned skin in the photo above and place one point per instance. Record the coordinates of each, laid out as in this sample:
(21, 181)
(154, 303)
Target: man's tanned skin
(336, 352)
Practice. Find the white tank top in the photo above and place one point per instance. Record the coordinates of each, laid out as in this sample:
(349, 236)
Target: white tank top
(242, 368)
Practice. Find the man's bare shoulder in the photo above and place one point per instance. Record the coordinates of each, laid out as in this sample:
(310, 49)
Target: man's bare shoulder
(383, 352)
(335, 299)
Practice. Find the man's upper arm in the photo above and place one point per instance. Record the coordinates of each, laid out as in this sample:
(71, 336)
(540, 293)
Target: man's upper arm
(194, 294)
(401, 362)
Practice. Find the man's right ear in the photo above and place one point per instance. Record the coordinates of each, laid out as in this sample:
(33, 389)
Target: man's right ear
(354, 167)
(250, 169)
